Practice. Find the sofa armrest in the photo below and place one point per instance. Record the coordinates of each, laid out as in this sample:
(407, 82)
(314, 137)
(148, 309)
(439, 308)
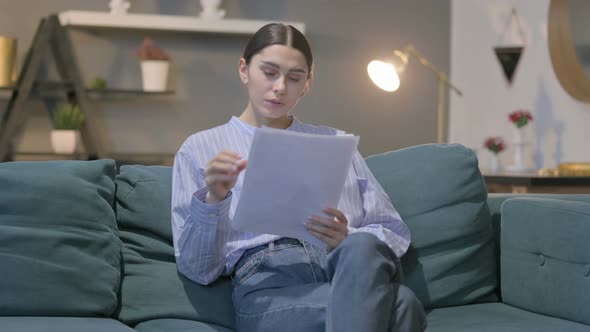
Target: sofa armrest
(495, 201)
(545, 256)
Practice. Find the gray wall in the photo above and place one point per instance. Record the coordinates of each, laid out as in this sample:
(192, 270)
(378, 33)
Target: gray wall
(345, 35)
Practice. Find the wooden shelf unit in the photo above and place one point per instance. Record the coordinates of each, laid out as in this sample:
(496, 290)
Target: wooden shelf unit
(51, 38)
(164, 22)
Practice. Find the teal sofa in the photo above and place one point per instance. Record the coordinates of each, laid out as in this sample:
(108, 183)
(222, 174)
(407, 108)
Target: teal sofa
(87, 247)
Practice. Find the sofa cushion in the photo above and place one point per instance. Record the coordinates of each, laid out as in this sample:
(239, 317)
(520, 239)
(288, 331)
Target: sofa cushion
(152, 287)
(495, 201)
(178, 325)
(61, 324)
(60, 253)
(546, 257)
(441, 195)
(493, 317)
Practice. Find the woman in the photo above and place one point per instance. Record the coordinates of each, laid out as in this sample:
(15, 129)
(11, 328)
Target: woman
(282, 283)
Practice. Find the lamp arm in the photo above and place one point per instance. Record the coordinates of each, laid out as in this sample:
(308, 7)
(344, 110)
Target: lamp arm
(440, 74)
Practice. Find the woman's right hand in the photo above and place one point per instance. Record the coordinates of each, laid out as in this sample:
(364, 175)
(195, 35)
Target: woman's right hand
(221, 174)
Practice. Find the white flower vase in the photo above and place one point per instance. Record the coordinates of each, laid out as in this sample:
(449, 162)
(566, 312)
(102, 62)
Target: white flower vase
(64, 141)
(494, 163)
(154, 75)
(519, 144)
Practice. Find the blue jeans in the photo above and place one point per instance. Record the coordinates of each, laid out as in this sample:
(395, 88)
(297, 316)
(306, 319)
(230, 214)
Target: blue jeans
(288, 285)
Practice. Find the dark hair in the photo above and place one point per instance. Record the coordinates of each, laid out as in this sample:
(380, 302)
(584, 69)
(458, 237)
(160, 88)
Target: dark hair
(278, 34)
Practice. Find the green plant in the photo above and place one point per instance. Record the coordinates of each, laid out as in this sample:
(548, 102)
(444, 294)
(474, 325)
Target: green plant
(68, 116)
(495, 144)
(149, 51)
(520, 118)
(98, 83)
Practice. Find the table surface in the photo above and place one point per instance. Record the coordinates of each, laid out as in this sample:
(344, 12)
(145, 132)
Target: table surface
(533, 179)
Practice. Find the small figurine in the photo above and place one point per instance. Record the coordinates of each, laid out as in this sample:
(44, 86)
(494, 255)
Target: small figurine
(210, 9)
(119, 7)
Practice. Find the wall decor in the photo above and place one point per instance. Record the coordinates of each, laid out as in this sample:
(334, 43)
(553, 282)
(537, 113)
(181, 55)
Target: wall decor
(568, 46)
(509, 55)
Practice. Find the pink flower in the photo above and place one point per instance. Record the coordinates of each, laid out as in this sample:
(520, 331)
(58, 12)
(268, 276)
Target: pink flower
(149, 51)
(520, 118)
(495, 144)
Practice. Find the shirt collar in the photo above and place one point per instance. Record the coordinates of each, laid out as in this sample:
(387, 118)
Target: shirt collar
(249, 129)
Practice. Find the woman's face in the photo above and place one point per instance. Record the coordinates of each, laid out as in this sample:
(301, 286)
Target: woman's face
(276, 78)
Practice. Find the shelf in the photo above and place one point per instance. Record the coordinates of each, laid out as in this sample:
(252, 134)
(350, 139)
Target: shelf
(49, 89)
(49, 86)
(164, 22)
(5, 92)
(109, 91)
(44, 156)
(121, 158)
(165, 159)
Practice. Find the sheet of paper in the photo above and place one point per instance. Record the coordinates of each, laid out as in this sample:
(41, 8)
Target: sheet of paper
(289, 177)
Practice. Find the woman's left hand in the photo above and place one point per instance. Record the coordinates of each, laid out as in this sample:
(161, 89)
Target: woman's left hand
(330, 230)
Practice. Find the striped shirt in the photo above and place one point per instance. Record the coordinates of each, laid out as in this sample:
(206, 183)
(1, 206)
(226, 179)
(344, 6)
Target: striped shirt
(206, 246)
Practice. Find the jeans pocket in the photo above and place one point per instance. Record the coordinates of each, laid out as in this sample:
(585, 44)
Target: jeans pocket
(249, 268)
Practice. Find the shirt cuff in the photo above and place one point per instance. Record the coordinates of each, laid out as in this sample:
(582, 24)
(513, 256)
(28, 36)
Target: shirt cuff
(352, 230)
(209, 213)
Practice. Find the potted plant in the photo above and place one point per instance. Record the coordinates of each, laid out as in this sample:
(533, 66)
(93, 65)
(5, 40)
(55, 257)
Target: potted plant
(67, 121)
(98, 83)
(520, 119)
(495, 145)
(155, 65)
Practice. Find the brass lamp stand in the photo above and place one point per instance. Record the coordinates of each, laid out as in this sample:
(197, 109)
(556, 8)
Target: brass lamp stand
(385, 74)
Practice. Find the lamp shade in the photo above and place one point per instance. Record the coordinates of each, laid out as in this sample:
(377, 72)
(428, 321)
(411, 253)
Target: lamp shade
(384, 75)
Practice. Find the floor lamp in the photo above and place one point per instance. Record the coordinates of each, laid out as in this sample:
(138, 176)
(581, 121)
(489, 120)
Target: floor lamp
(386, 73)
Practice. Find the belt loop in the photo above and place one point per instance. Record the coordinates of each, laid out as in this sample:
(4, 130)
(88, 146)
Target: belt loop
(271, 246)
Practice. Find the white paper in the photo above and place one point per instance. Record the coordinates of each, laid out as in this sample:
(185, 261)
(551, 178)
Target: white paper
(291, 176)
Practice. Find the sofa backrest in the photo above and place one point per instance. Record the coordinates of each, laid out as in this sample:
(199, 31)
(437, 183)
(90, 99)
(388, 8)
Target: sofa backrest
(495, 203)
(437, 189)
(152, 287)
(441, 195)
(60, 253)
(545, 256)
(56, 217)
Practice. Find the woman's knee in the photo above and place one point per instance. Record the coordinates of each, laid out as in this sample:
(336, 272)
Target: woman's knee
(361, 247)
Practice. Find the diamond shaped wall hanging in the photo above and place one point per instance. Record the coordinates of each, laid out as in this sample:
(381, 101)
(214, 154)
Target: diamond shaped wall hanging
(509, 56)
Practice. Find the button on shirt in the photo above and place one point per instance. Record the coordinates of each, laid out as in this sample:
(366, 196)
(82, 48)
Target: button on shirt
(206, 246)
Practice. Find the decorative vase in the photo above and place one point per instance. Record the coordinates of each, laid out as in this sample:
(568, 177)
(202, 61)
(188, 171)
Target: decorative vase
(494, 163)
(519, 145)
(64, 141)
(154, 75)
(7, 60)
